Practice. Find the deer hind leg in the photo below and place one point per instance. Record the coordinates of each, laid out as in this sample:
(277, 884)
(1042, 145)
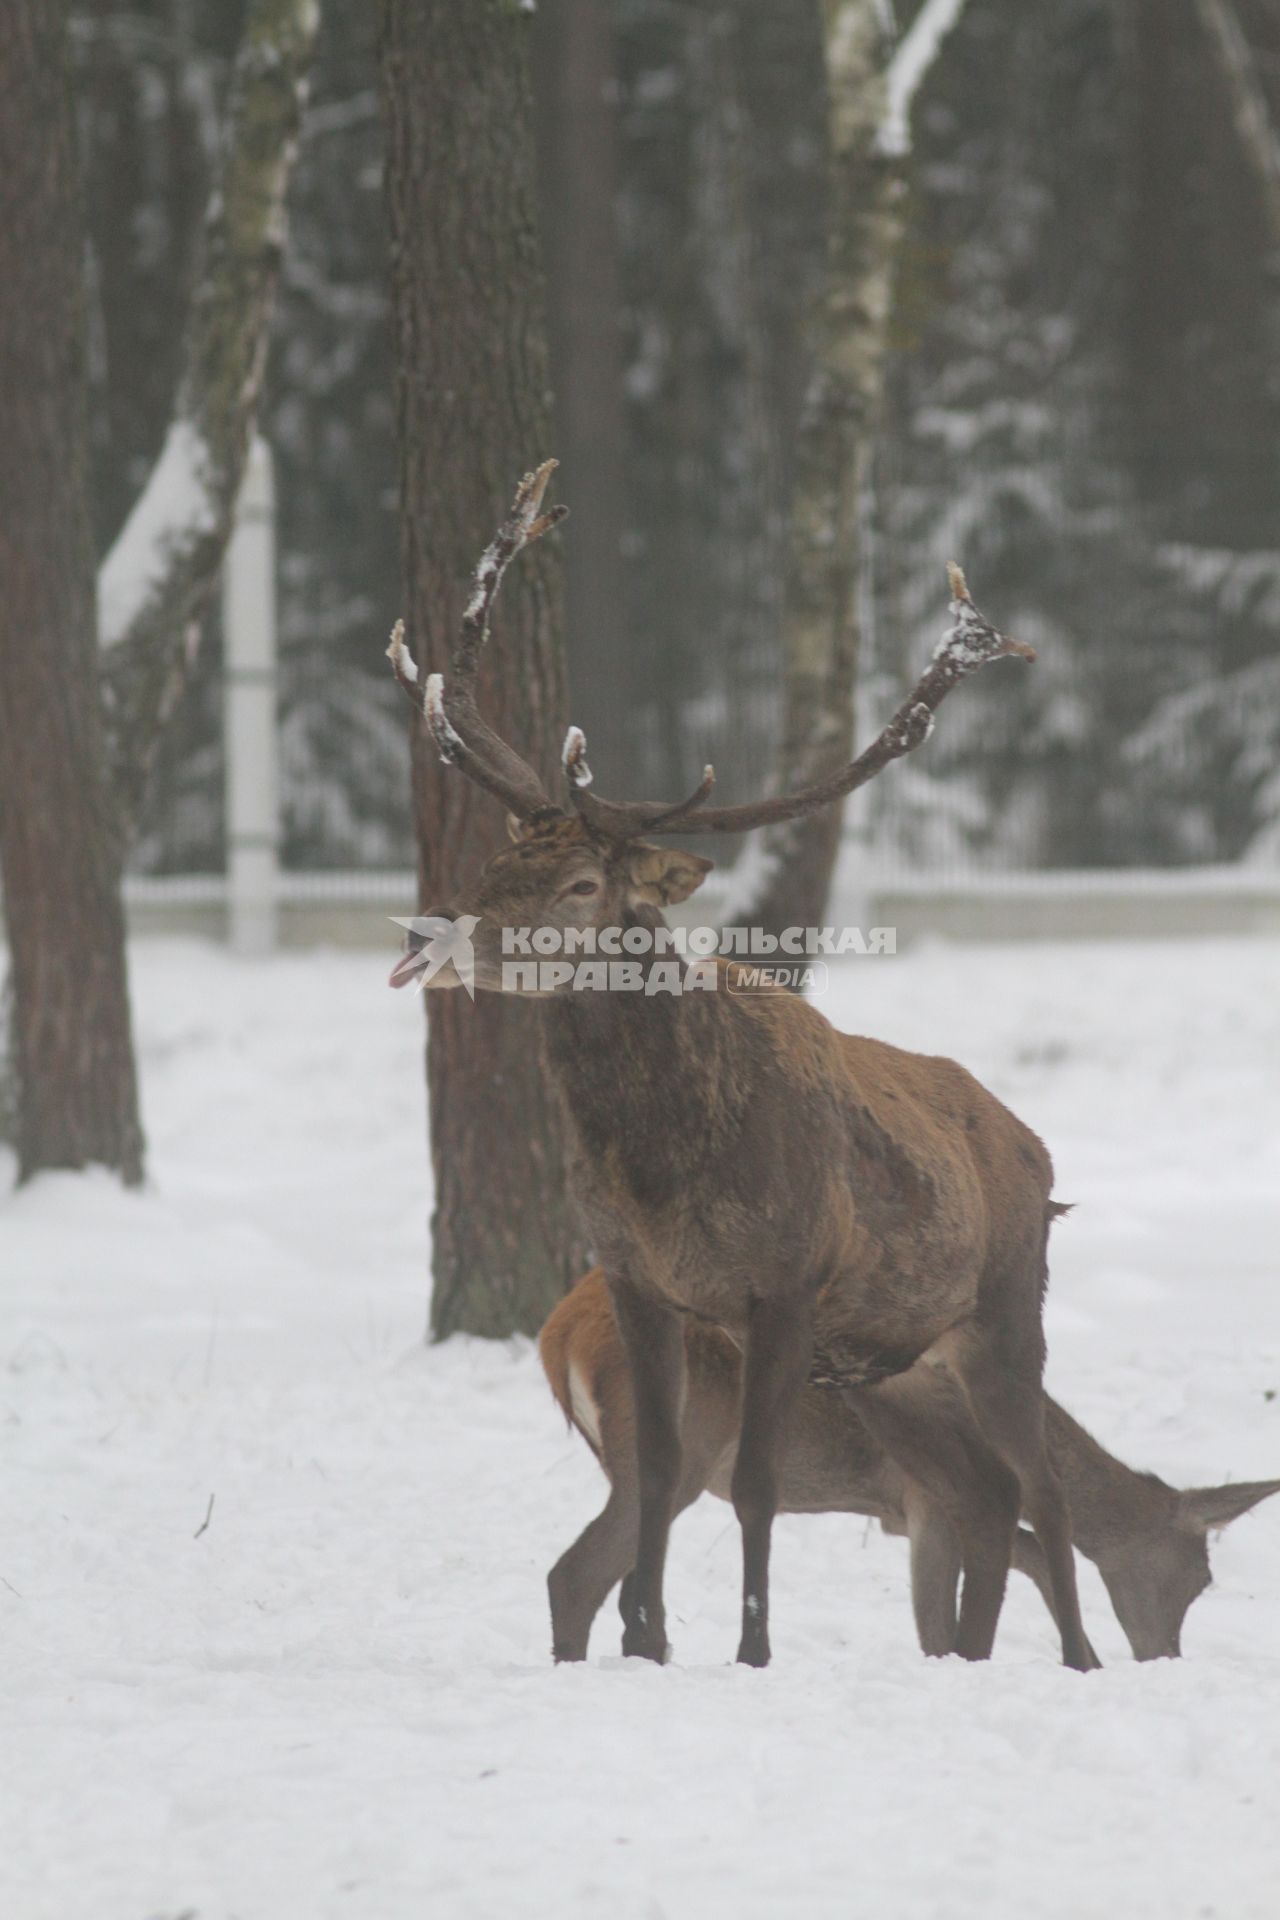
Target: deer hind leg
(654, 1342)
(779, 1349)
(585, 1574)
(922, 1422)
(1005, 1392)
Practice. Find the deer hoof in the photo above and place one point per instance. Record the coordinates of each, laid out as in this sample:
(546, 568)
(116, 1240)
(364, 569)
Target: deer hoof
(641, 1641)
(633, 1650)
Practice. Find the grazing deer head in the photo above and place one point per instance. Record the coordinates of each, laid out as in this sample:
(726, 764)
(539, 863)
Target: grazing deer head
(1148, 1540)
(849, 1212)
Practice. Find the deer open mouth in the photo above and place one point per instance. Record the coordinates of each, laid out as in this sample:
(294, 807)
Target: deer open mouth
(407, 968)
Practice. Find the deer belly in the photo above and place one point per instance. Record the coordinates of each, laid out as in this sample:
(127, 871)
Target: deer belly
(875, 1320)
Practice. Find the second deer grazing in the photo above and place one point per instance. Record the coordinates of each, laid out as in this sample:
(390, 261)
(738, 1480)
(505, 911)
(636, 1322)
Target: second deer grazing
(1148, 1540)
(849, 1212)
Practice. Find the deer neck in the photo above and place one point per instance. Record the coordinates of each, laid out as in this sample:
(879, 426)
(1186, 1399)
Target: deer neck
(654, 1074)
(1110, 1502)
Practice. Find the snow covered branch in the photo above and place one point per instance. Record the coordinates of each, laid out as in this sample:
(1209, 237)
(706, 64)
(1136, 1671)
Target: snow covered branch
(912, 59)
(155, 584)
(175, 509)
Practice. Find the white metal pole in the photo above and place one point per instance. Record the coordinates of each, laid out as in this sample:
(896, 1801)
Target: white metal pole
(249, 650)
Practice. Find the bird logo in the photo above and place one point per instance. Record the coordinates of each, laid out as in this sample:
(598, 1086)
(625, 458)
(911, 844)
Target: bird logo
(432, 942)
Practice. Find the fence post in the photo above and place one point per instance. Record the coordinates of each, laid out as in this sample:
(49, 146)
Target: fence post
(249, 715)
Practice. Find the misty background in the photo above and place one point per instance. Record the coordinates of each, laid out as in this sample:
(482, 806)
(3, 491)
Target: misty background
(1081, 406)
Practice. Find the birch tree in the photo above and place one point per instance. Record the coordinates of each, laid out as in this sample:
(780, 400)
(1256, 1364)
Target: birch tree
(158, 578)
(872, 84)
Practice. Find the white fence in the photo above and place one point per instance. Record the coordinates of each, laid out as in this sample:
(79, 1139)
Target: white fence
(249, 655)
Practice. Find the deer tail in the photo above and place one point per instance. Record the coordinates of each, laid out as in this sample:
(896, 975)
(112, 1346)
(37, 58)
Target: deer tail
(577, 1336)
(553, 1351)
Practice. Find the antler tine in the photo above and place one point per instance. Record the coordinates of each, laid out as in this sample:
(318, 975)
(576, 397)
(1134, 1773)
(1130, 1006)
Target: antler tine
(522, 525)
(622, 819)
(463, 739)
(969, 643)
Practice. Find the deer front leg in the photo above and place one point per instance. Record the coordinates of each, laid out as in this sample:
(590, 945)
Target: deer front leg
(654, 1342)
(936, 1563)
(779, 1350)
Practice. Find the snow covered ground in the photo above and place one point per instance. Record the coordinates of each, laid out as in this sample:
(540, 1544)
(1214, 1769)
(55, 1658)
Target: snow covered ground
(338, 1701)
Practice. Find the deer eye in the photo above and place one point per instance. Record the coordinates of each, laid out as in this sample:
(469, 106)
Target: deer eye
(584, 887)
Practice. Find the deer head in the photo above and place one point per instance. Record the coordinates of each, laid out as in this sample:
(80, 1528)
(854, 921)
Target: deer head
(561, 876)
(1154, 1573)
(588, 863)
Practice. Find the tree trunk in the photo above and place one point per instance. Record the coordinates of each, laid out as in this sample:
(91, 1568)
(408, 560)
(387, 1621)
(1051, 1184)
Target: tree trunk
(575, 93)
(869, 101)
(473, 409)
(58, 857)
(849, 343)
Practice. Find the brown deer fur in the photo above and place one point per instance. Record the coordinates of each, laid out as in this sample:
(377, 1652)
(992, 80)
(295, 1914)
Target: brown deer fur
(1149, 1540)
(843, 1208)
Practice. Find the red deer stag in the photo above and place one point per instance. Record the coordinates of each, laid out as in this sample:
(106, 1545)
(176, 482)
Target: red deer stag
(1148, 1540)
(851, 1213)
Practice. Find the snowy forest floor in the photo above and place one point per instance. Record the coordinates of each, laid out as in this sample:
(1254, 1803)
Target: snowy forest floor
(338, 1699)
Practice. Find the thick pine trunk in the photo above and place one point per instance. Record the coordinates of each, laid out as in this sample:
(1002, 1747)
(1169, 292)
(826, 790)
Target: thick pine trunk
(72, 1051)
(474, 413)
(575, 92)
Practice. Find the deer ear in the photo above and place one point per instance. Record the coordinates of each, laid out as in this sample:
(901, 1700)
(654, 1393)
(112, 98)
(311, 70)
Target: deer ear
(661, 876)
(1208, 1507)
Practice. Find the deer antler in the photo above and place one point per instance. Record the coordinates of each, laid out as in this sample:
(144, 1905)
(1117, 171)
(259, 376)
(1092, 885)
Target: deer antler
(466, 741)
(616, 818)
(462, 737)
(968, 644)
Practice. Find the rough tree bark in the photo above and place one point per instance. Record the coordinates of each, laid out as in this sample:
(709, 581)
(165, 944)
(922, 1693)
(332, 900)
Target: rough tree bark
(574, 90)
(474, 412)
(870, 91)
(59, 856)
(79, 726)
